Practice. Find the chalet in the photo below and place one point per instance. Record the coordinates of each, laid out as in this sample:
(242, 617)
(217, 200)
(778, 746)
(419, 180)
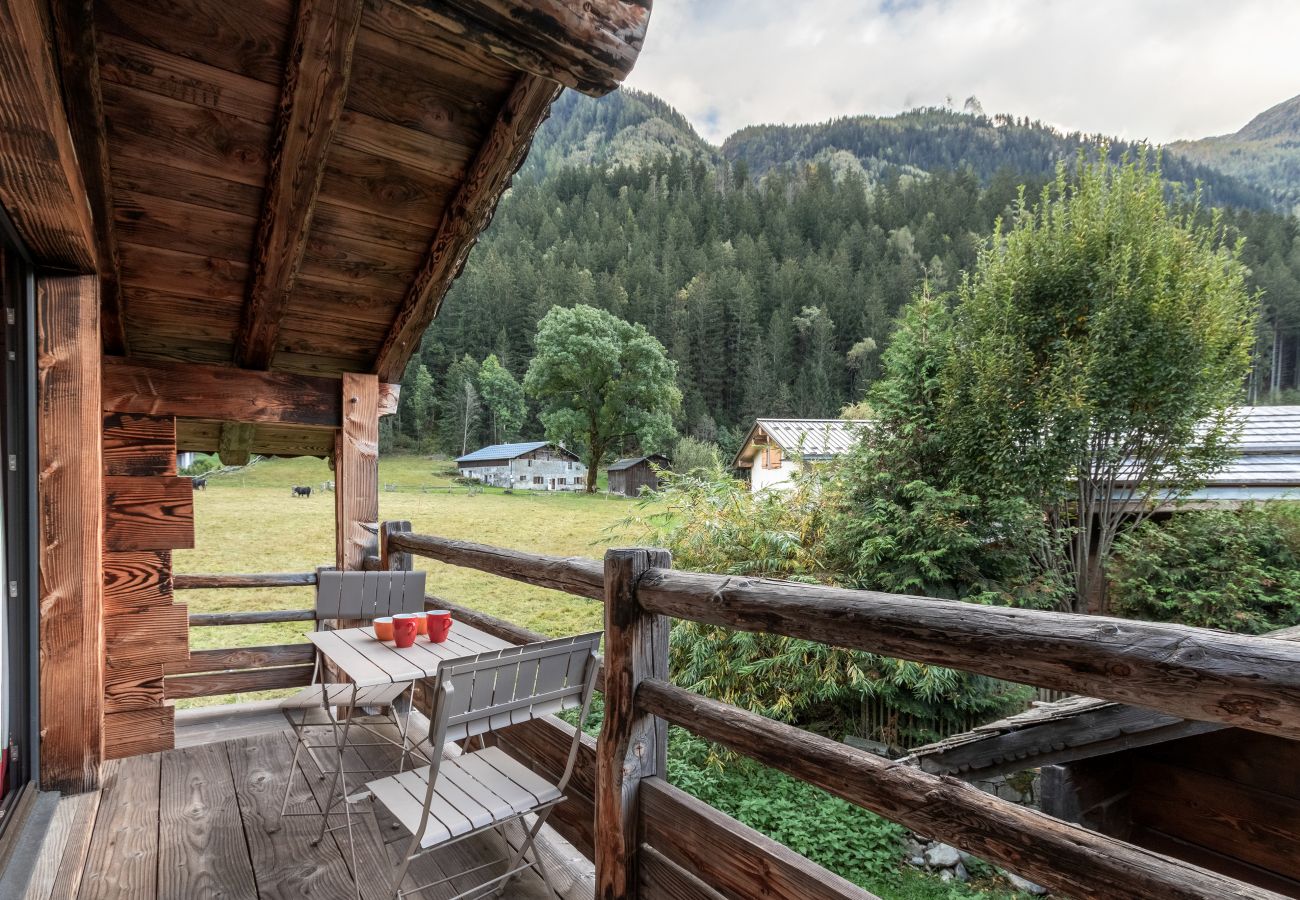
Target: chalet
(774, 449)
(530, 466)
(628, 476)
(224, 226)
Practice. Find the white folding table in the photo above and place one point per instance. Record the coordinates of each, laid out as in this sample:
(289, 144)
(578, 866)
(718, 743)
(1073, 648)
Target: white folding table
(369, 663)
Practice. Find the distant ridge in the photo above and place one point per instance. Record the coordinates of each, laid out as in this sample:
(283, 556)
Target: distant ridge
(1265, 153)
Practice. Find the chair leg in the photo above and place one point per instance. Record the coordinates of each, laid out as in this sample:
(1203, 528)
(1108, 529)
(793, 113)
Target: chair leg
(293, 767)
(342, 743)
(517, 857)
(396, 890)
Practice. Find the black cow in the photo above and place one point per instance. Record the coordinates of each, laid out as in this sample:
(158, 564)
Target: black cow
(300, 490)
(199, 484)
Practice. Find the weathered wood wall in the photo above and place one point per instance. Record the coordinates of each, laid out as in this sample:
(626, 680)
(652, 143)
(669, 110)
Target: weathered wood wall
(70, 523)
(148, 512)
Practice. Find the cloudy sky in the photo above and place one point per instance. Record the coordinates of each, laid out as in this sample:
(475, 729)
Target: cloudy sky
(1157, 69)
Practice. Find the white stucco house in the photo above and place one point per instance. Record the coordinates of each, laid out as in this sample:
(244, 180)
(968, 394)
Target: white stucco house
(774, 449)
(530, 465)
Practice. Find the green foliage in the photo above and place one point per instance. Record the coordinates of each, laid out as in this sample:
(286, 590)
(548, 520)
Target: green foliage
(1237, 570)
(719, 525)
(460, 408)
(695, 457)
(416, 408)
(603, 384)
(503, 398)
(900, 523)
(203, 463)
(853, 843)
(1103, 340)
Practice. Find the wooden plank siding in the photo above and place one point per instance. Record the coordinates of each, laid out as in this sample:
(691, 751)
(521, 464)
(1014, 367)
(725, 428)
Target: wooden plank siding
(70, 527)
(148, 513)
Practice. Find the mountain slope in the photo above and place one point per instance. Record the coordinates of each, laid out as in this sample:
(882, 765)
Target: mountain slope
(943, 139)
(1265, 153)
(626, 127)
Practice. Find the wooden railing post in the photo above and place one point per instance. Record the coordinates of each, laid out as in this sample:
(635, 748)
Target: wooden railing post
(631, 746)
(391, 559)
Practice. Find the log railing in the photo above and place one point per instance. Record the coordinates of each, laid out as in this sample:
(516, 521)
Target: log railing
(634, 825)
(233, 670)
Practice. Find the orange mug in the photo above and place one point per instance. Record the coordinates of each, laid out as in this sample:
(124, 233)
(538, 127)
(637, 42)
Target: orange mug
(421, 622)
(439, 625)
(384, 628)
(404, 628)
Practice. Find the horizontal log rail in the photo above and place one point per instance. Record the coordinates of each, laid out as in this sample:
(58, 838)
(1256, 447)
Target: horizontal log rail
(251, 617)
(1195, 673)
(233, 670)
(571, 574)
(1060, 856)
(265, 580)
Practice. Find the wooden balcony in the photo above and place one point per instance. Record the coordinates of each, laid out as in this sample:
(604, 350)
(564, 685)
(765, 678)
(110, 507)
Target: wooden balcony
(200, 820)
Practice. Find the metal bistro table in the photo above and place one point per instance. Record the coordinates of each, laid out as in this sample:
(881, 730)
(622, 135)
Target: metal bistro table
(370, 662)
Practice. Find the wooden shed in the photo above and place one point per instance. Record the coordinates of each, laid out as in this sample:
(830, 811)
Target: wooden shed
(1223, 798)
(629, 476)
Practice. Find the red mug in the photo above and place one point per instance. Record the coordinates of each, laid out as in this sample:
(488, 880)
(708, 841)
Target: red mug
(439, 625)
(404, 630)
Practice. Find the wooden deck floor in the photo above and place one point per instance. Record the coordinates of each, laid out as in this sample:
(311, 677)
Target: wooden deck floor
(202, 823)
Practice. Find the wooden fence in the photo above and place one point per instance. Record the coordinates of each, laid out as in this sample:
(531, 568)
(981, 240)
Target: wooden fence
(646, 836)
(212, 673)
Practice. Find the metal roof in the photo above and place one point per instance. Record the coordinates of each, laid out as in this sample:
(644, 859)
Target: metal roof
(807, 438)
(503, 451)
(621, 464)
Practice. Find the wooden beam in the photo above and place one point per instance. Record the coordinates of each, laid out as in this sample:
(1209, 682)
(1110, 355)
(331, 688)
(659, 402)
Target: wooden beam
(220, 392)
(356, 471)
(632, 745)
(178, 687)
(70, 529)
(1250, 682)
(42, 188)
(235, 446)
(149, 512)
(575, 575)
(74, 29)
(1063, 857)
(466, 215)
(588, 46)
(311, 104)
(270, 580)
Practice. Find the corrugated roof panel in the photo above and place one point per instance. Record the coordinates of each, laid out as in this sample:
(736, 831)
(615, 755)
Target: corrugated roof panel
(813, 437)
(502, 451)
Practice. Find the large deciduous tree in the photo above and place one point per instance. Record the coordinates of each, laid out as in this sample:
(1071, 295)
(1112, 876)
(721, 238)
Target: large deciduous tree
(602, 384)
(1096, 352)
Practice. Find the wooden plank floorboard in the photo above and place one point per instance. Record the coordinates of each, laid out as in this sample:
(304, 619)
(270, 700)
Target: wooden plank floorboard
(285, 863)
(122, 860)
(57, 875)
(202, 851)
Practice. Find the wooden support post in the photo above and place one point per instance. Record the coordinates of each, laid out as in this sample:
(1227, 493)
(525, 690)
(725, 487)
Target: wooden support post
(356, 470)
(631, 746)
(71, 523)
(235, 445)
(389, 558)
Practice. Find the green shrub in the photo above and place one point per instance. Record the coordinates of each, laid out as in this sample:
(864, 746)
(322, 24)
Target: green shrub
(1238, 570)
(202, 464)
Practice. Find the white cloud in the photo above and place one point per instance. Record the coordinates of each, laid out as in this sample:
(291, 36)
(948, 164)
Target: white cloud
(1157, 69)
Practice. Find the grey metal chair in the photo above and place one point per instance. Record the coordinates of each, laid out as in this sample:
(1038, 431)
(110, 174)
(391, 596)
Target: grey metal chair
(450, 800)
(315, 709)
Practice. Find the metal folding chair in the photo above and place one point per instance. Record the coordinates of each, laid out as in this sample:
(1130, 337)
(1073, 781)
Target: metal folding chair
(450, 800)
(315, 709)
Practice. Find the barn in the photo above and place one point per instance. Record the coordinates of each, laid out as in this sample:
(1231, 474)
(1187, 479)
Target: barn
(628, 476)
(530, 465)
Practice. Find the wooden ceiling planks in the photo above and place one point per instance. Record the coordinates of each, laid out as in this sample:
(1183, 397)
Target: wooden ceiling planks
(285, 184)
(315, 86)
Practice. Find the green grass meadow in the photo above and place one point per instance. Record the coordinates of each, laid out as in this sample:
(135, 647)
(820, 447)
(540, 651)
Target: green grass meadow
(249, 521)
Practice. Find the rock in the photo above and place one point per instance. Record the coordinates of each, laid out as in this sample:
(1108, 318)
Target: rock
(946, 875)
(959, 872)
(941, 856)
(913, 847)
(918, 861)
(1024, 884)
